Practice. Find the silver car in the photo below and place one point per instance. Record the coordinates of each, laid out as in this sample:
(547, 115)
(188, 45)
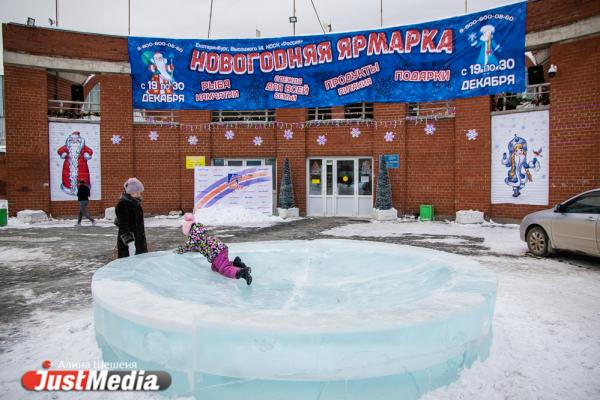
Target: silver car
(572, 225)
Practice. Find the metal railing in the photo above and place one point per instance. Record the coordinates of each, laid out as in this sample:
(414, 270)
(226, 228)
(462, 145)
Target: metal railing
(154, 117)
(84, 110)
(243, 116)
(431, 110)
(319, 113)
(535, 96)
(358, 111)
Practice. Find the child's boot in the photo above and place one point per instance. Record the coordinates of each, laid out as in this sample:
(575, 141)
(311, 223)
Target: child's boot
(244, 273)
(238, 262)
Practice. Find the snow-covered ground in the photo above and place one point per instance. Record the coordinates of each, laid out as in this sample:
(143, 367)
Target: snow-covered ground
(501, 239)
(546, 325)
(213, 216)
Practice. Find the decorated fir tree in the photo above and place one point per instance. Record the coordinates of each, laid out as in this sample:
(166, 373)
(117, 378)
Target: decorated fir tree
(286, 193)
(384, 193)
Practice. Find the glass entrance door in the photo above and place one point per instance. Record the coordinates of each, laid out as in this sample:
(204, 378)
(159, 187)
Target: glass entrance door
(339, 187)
(345, 188)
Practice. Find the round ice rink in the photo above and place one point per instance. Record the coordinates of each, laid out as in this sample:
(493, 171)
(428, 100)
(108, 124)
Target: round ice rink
(323, 319)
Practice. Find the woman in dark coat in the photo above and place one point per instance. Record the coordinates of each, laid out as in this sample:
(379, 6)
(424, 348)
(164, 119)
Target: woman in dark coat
(130, 216)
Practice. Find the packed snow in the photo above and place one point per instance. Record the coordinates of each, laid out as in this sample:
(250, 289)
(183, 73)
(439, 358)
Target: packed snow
(213, 216)
(501, 239)
(220, 215)
(547, 318)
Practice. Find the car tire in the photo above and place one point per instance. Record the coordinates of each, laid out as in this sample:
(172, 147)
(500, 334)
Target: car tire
(537, 241)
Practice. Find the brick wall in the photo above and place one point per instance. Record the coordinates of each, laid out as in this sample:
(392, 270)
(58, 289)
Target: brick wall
(398, 177)
(295, 151)
(60, 43)
(546, 14)
(575, 119)
(473, 157)
(27, 167)
(58, 88)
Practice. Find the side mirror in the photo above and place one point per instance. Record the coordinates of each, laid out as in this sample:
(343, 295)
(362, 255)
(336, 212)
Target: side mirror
(558, 208)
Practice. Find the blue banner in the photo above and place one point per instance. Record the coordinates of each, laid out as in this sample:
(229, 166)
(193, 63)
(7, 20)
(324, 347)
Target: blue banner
(472, 55)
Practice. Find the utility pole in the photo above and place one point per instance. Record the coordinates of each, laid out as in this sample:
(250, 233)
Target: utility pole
(466, 6)
(381, 11)
(129, 18)
(294, 15)
(210, 17)
(56, 12)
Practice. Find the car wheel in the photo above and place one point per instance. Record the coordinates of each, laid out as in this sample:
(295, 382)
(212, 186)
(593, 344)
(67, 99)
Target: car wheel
(537, 241)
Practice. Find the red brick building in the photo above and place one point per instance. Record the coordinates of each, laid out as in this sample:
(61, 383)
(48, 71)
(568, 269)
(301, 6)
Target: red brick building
(44, 66)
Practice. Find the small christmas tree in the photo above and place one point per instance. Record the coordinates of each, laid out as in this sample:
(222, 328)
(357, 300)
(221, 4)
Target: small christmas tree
(286, 193)
(384, 192)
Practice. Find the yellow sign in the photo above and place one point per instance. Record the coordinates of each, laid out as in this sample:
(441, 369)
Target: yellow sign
(315, 181)
(345, 179)
(192, 162)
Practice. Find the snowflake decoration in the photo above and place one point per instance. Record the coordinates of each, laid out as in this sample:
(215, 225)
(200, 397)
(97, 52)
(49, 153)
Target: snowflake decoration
(288, 134)
(321, 140)
(116, 139)
(355, 132)
(193, 140)
(153, 135)
(472, 36)
(429, 129)
(389, 136)
(257, 141)
(472, 134)
(229, 135)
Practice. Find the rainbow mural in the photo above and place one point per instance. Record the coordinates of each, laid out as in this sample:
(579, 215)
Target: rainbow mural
(228, 185)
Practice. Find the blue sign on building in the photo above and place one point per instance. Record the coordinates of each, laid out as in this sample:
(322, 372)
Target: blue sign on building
(391, 160)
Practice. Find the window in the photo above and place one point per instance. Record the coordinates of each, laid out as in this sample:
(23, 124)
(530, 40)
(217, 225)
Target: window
(2, 129)
(437, 109)
(154, 117)
(365, 176)
(273, 163)
(92, 102)
(585, 204)
(358, 111)
(315, 177)
(243, 116)
(319, 113)
(535, 96)
(345, 177)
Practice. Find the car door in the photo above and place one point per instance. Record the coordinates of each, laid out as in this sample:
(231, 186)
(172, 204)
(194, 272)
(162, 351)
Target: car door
(598, 234)
(574, 227)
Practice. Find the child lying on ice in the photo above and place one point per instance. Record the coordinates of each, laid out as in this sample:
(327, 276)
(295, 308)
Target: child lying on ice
(215, 251)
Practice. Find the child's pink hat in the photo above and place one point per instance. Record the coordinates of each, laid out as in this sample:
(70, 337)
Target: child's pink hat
(188, 221)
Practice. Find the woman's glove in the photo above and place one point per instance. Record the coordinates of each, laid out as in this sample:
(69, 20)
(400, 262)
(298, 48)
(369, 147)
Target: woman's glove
(131, 246)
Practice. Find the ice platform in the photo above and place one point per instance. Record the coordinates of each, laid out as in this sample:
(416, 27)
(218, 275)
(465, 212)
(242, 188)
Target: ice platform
(323, 319)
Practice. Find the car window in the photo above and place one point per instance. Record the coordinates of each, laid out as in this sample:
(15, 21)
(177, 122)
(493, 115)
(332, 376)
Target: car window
(587, 204)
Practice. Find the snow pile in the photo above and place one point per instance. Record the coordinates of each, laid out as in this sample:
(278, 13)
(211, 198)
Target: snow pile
(469, 217)
(233, 215)
(32, 216)
(109, 213)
